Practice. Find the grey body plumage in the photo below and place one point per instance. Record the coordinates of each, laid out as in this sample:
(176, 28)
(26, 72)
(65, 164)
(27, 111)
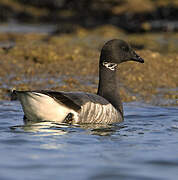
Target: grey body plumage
(94, 108)
(80, 107)
(87, 107)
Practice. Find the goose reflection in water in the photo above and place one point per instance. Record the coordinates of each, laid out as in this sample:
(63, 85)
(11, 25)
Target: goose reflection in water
(48, 128)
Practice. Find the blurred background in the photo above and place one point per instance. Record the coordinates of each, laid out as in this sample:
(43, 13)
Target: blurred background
(131, 16)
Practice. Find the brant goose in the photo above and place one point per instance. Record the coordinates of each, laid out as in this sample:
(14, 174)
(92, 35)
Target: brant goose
(79, 107)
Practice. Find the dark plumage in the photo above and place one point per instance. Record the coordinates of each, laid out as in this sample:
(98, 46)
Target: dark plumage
(80, 107)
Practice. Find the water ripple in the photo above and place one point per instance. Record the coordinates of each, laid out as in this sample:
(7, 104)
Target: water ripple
(144, 146)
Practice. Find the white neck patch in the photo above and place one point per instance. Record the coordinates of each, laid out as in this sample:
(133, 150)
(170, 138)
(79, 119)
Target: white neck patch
(111, 66)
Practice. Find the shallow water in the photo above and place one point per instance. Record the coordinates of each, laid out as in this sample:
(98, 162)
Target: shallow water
(145, 146)
(26, 28)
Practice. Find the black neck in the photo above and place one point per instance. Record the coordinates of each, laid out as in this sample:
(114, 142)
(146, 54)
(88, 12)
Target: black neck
(108, 87)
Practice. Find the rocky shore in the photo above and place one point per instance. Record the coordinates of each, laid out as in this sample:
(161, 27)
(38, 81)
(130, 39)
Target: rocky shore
(70, 62)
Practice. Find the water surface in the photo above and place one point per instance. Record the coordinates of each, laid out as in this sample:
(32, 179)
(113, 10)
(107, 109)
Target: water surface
(145, 146)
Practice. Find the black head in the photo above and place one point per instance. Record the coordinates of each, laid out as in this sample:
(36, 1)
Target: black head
(117, 51)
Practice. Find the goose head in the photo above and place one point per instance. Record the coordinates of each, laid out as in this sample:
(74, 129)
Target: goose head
(117, 51)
